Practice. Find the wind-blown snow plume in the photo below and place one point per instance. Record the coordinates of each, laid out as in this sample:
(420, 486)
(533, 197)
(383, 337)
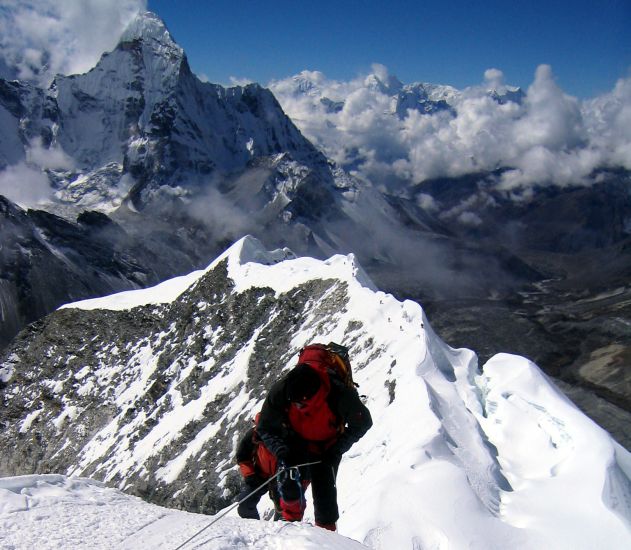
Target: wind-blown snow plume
(24, 185)
(544, 136)
(41, 38)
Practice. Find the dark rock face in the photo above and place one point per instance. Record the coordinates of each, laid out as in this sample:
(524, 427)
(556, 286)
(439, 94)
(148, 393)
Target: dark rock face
(45, 261)
(551, 220)
(119, 374)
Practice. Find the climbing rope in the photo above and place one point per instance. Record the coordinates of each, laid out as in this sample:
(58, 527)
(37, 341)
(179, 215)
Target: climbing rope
(233, 506)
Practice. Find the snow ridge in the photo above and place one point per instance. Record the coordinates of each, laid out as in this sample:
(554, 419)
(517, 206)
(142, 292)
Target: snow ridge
(150, 394)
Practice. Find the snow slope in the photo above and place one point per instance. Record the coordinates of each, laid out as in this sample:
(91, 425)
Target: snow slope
(54, 512)
(456, 458)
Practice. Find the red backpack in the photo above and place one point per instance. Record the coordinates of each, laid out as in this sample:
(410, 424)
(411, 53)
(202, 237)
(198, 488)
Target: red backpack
(331, 359)
(313, 419)
(328, 359)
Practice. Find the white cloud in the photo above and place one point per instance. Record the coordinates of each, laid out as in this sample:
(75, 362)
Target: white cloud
(53, 158)
(25, 185)
(608, 120)
(381, 72)
(494, 79)
(548, 138)
(427, 202)
(551, 119)
(469, 218)
(228, 216)
(240, 81)
(41, 38)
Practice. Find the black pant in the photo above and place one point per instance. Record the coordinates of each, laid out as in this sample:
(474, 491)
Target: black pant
(247, 509)
(324, 492)
(322, 478)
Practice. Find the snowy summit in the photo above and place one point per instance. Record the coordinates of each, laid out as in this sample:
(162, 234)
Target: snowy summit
(149, 391)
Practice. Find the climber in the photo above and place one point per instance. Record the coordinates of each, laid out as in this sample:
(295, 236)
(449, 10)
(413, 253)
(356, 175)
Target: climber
(313, 413)
(257, 465)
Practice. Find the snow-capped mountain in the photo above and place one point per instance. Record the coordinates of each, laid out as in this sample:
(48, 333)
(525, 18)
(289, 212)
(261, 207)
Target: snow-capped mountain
(137, 171)
(45, 259)
(423, 97)
(182, 168)
(139, 131)
(149, 390)
(143, 111)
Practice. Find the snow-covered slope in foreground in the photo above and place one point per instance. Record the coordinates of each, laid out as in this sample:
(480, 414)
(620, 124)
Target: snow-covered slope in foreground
(55, 512)
(151, 399)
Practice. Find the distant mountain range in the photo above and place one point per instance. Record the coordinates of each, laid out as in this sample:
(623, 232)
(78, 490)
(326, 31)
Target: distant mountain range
(422, 97)
(137, 171)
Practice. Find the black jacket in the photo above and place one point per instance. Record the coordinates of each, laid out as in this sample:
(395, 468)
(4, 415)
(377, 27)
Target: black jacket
(275, 432)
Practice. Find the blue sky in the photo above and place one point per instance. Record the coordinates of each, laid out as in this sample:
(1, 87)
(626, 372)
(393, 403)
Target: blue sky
(587, 43)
